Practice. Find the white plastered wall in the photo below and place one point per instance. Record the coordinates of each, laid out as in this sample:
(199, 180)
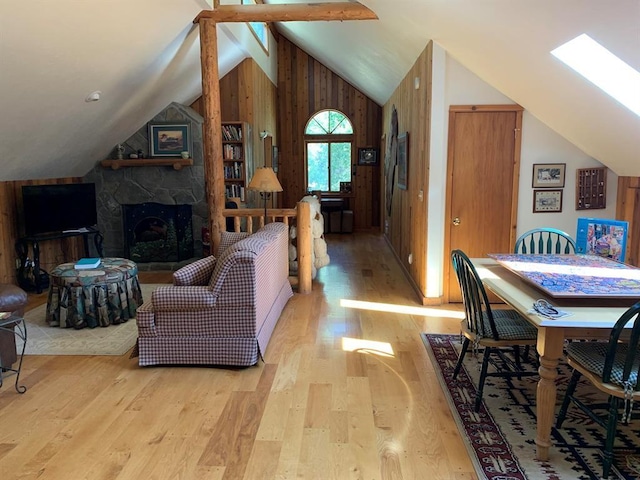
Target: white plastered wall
(453, 84)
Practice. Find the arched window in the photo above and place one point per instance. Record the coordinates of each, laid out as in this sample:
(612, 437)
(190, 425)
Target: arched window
(328, 145)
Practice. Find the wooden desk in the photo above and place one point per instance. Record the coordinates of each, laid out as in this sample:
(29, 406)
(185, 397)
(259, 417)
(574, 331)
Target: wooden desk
(333, 204)
(585, 322)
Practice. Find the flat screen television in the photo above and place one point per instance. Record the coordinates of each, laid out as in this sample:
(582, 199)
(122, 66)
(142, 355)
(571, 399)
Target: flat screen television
(60, 207)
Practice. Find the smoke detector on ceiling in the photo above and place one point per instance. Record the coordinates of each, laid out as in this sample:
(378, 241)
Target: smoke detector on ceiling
(93, 96)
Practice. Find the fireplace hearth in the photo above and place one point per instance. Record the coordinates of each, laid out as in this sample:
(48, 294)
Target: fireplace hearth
(158, 233)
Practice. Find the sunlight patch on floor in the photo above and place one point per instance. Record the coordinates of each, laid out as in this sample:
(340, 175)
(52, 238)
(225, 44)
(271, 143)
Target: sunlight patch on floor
(367, 346)
(406, 309)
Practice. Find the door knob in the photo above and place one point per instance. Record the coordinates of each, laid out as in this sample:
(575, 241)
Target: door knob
(456, 221)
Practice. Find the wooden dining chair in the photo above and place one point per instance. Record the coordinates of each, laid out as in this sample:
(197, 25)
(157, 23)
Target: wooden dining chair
(612, 367)
(493, 330)
(545, 240)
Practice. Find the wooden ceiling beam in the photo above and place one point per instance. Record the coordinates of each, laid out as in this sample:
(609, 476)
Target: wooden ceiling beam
(292, 12)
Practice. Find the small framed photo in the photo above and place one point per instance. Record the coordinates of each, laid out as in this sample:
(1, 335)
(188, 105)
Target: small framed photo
(548, 175)
(169, 139)
(368, 156)
(547, 201)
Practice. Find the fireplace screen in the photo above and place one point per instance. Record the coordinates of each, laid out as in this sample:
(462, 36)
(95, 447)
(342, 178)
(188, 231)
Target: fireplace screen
(158, 233)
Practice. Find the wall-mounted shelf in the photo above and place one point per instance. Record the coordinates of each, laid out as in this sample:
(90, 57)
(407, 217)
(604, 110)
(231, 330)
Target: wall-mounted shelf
(591, 188)
(177, 163)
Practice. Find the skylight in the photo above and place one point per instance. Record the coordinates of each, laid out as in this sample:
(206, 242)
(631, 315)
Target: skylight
(603, 69)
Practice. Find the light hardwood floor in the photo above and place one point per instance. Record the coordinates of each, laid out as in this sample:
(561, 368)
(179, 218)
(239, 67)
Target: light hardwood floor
(315, 409)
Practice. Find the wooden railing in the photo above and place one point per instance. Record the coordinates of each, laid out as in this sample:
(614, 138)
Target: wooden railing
(251, 219)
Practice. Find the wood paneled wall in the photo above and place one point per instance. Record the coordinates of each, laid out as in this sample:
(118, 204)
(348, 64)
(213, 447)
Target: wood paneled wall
(628, 208)
(305, 86)
(406, 224)
(248, 95)
(52, 252)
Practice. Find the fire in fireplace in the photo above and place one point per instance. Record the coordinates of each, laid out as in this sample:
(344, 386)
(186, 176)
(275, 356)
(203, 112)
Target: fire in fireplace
(158, 233)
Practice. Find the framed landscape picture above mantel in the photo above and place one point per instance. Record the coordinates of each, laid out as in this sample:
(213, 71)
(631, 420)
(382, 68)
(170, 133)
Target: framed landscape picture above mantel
(169, 139)
(548, 175)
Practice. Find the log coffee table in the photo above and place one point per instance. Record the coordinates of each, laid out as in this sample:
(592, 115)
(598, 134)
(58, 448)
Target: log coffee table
(106, 295)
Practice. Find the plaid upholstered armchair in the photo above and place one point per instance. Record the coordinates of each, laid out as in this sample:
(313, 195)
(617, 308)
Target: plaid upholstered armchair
(219, 311)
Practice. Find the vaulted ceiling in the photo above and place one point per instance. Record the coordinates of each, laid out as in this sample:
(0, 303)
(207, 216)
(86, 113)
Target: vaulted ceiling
(144, 54)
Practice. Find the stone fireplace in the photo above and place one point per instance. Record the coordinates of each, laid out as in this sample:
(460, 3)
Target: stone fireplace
(154, 232)
(150, 186)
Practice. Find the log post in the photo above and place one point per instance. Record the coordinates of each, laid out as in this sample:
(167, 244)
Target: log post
(305, 244)
(211, 134)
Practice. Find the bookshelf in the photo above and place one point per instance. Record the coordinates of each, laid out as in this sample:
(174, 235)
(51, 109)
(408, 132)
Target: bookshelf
(236, 138)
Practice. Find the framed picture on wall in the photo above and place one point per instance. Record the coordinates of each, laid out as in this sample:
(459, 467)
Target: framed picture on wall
(547, 201)
(403, 160)
(274, 158)
(169, 139)
(548, 175)
(368, 156)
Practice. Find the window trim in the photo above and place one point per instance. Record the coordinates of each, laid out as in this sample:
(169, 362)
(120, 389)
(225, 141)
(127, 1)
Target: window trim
(326, 139)
(329, 138)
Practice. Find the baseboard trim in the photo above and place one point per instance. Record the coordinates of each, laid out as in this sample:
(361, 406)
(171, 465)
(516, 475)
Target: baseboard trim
(426, 301)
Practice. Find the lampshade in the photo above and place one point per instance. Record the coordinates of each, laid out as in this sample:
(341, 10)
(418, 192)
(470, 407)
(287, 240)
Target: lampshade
(265, 180)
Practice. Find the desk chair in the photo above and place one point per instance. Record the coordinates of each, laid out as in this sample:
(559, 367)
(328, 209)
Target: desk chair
(229, 220)
(492, 329)
(545, 240)
(612, 367)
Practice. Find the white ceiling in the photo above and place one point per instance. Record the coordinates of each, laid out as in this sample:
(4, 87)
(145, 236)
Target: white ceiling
(144, 54)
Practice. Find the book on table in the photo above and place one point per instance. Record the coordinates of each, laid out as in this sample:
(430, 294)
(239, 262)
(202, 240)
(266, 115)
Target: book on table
(85, 263)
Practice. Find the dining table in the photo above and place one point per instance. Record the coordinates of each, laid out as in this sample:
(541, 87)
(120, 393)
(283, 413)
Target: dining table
(608, 290)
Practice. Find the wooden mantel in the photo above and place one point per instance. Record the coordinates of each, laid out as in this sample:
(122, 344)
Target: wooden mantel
(211, 132)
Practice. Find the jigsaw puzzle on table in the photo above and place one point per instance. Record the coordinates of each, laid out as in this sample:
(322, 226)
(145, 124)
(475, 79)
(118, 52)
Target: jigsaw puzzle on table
(575, 276)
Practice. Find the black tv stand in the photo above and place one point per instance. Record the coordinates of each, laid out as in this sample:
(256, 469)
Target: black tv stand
(22, 249)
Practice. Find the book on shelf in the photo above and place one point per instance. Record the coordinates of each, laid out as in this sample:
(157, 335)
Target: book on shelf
(86, 263)
(235, 191)
(231, 133)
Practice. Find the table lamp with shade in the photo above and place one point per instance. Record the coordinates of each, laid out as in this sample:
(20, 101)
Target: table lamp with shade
(266, 182)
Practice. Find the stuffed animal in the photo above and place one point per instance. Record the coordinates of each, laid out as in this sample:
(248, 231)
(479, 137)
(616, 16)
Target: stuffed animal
(319, 255)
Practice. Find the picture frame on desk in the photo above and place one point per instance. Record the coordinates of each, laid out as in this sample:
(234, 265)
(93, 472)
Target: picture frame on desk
(345, 187)
(169, 139)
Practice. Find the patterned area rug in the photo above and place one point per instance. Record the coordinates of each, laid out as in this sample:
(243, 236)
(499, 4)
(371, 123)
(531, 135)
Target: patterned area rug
(500, 438)
(112, 340)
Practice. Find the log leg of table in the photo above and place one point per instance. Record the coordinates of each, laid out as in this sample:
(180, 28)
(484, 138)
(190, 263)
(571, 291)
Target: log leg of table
(550, 342)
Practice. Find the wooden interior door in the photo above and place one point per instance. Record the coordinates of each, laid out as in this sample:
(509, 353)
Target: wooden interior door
(482, 188)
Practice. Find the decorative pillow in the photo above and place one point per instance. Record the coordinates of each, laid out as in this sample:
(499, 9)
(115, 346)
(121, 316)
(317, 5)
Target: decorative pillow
(197, 273)
(229, 238)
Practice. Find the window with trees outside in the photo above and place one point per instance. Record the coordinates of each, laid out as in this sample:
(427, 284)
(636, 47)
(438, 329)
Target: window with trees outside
(328, 139)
